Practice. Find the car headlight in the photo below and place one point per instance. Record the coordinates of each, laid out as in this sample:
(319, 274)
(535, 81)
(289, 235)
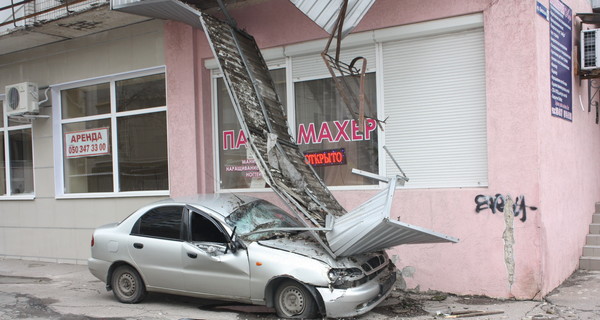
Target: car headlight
(345, 278)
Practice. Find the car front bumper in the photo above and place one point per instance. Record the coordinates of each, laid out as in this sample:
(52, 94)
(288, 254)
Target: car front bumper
(358, 300)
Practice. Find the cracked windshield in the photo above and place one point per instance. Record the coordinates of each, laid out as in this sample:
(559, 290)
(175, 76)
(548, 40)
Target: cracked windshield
(261, 215)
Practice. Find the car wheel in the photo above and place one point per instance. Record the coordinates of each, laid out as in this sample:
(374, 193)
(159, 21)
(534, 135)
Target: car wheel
(293, 300)
(127, 285)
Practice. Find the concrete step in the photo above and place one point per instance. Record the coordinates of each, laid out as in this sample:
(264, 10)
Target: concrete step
(597, 207)
(592, 240)
(596, 218)
(591, 251)
(595, 228)
(589, 263)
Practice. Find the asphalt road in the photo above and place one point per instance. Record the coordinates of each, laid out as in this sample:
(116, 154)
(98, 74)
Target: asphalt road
(44, 290)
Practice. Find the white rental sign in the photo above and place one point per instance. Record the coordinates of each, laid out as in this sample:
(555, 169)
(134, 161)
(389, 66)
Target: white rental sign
(87, 143)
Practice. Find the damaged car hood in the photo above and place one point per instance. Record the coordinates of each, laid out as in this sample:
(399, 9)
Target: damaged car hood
(306, 246)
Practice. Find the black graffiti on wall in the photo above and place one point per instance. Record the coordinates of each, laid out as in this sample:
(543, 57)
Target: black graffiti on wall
(497, 203)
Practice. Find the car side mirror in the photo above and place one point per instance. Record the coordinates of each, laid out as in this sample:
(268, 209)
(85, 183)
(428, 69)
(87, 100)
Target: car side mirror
(232, 246)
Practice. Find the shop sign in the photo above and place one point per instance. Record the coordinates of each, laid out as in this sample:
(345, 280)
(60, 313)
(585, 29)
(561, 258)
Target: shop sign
(87, 143)
(326, 157)
(248, 167)
(560, 60)
(347, 130)
(313, 133)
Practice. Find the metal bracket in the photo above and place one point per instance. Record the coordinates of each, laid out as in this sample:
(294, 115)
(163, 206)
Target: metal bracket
(347, 77)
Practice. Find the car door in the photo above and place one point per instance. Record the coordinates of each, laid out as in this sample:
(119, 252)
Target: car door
(210, 267)
(156, 247)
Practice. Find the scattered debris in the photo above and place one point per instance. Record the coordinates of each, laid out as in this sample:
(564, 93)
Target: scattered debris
(439, 297)
(480, 300)
(404, 306)
(540, 317)
(248, 310)
(470, 313)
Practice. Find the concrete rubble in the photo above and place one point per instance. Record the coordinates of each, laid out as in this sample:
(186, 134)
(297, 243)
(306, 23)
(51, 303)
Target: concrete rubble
(48, 290)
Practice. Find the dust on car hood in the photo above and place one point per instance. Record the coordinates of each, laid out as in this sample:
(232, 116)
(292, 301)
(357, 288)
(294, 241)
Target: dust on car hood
(305, 245)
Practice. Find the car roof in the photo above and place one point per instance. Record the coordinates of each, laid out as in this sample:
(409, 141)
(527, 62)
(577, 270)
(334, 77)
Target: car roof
(222, 203)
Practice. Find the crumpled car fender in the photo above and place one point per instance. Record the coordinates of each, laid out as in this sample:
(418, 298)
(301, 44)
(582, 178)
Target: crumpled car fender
(269, 265)
(275, 282)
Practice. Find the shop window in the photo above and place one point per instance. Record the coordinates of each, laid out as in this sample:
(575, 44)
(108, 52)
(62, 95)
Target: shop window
(114, 136)
(142, 152)
(20, 158)
(237, 168)
(324, 129)
(16, 157)
(86, 101)
(330, 137)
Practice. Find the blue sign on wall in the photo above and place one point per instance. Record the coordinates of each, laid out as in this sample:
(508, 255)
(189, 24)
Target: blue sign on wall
(561, 38)
(541, 10)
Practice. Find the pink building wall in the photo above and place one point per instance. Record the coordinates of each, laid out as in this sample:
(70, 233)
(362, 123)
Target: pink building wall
(569, 173)
(550, 162)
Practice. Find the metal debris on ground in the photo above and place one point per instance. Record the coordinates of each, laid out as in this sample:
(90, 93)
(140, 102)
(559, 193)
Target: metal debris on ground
(469, 314)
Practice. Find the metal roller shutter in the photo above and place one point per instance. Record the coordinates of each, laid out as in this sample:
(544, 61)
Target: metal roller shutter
(434, 96)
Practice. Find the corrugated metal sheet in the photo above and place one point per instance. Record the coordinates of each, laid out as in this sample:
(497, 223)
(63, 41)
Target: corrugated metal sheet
(325, 13)
(161, 9)
(435, 103)
(263, 120)
(368, 228)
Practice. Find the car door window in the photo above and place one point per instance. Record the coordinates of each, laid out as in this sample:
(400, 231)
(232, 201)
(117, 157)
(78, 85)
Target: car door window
(204, 230)
(161, 222)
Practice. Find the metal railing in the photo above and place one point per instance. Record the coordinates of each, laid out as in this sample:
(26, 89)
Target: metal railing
(23, 13)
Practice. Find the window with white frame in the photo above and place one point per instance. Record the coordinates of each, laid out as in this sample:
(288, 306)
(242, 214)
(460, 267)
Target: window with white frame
(114, 135)
(16, 157)
(427, 91)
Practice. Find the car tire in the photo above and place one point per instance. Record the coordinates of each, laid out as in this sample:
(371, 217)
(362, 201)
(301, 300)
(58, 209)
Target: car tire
(293, 300)
(127, 285)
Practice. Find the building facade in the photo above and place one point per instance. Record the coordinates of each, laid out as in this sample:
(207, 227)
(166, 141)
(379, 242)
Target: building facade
(469, 97)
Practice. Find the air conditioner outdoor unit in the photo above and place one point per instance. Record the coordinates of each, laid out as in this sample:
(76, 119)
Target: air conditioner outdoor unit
(21, 98)
(590, 49)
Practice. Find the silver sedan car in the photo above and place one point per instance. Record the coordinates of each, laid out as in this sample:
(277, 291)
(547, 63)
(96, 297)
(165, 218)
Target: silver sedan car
(235, 248)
